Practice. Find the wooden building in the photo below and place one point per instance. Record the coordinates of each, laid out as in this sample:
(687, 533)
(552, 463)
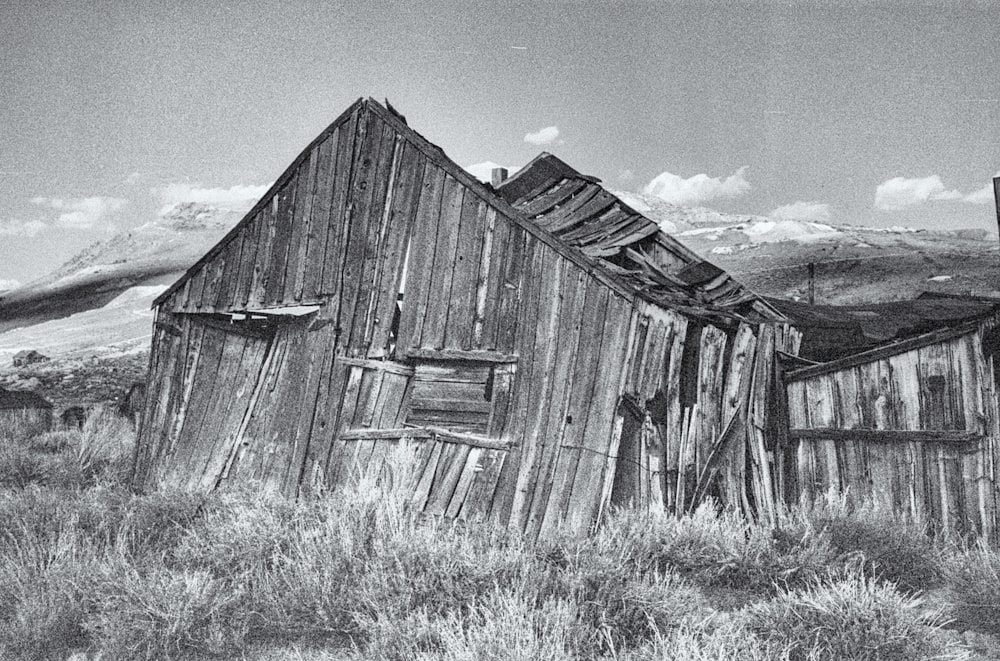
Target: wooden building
(545, 349)
(23, 414)
(907, 415)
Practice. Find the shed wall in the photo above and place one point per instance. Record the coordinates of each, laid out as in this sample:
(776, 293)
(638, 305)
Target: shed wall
(289, 409)
(947, 386)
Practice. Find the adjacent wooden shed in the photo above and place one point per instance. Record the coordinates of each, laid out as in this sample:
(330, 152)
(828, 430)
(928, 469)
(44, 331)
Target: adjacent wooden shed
(909, 418)
(23, 414)
(545, 350)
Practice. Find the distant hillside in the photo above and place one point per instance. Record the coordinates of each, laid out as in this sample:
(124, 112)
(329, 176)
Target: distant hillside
(150, 255)
(97, 304)
(853, 264)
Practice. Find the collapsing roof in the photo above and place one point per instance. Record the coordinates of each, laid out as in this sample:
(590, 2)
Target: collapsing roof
(583, 214)
(830, 332)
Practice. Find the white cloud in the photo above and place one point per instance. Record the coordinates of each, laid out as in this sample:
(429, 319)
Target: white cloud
(545, 136)
(81, 213)
(484, 171)
(6, 285)
(815, 211)
(27, 228)
(238, 197)
(983, 195)
(697, 189)
(900, 192)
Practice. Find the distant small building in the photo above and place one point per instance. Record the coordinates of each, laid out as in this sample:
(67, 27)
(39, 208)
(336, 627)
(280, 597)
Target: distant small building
(28, 357)
(23, 414)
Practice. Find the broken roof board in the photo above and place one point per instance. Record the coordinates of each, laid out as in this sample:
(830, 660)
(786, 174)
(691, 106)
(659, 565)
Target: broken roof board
(581, 212)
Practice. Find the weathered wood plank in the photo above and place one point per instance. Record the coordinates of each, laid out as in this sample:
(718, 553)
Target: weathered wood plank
(462, 298)
(541, 343)
(263, 259)
(298, 244)
(369, 199)
(422, 241)
(377, 268)
(711, 380)
(284, 221)
(515, 337)
(734, 402)
(465, 481)
(339, 223)
(594, 473)
(496, 285)
(887, 435)
(400, 214)
(446, 478)
(476, 507)
(512, 285)
(480, 331)
(461, 355)
(583, 380)
(231, 264)
(439, 290)
(552, 418)
(320, 218)
(425, 482)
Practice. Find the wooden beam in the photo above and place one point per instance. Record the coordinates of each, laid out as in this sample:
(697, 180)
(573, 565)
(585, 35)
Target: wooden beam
(383, 365)
(380, 434)
(887, 435)
(433, 433)
(461, 354)
(878, 353)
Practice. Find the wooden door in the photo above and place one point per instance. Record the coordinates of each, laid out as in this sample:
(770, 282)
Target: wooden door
(224, 373)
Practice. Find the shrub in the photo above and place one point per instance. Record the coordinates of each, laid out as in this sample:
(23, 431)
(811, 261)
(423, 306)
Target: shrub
(974, 580)
(51, 442)
(854, 617)
(892, 548)
(164, 613)
(718, 549)
(620, 604)
(46, 566)
(728, 642)
(104, 451)
(507, 626)
(20, 466)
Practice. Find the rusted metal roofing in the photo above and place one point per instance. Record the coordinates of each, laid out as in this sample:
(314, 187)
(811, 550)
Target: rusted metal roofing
(834, 331)
(579, 211)
(18, 399)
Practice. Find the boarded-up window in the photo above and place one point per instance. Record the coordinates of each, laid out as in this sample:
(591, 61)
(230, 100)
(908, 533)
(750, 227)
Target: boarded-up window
(464, 396)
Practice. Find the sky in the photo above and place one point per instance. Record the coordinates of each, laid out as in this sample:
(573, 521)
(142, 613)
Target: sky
(873, 113)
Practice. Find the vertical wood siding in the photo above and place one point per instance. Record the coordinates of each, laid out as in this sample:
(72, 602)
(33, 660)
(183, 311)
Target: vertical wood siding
(943, 386)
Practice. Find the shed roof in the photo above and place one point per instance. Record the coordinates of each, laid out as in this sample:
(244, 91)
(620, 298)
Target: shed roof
(834, 331)
(22, 399)
(578, 210)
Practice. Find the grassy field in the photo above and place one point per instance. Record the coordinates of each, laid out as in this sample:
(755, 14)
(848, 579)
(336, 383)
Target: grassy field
(91, 570)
